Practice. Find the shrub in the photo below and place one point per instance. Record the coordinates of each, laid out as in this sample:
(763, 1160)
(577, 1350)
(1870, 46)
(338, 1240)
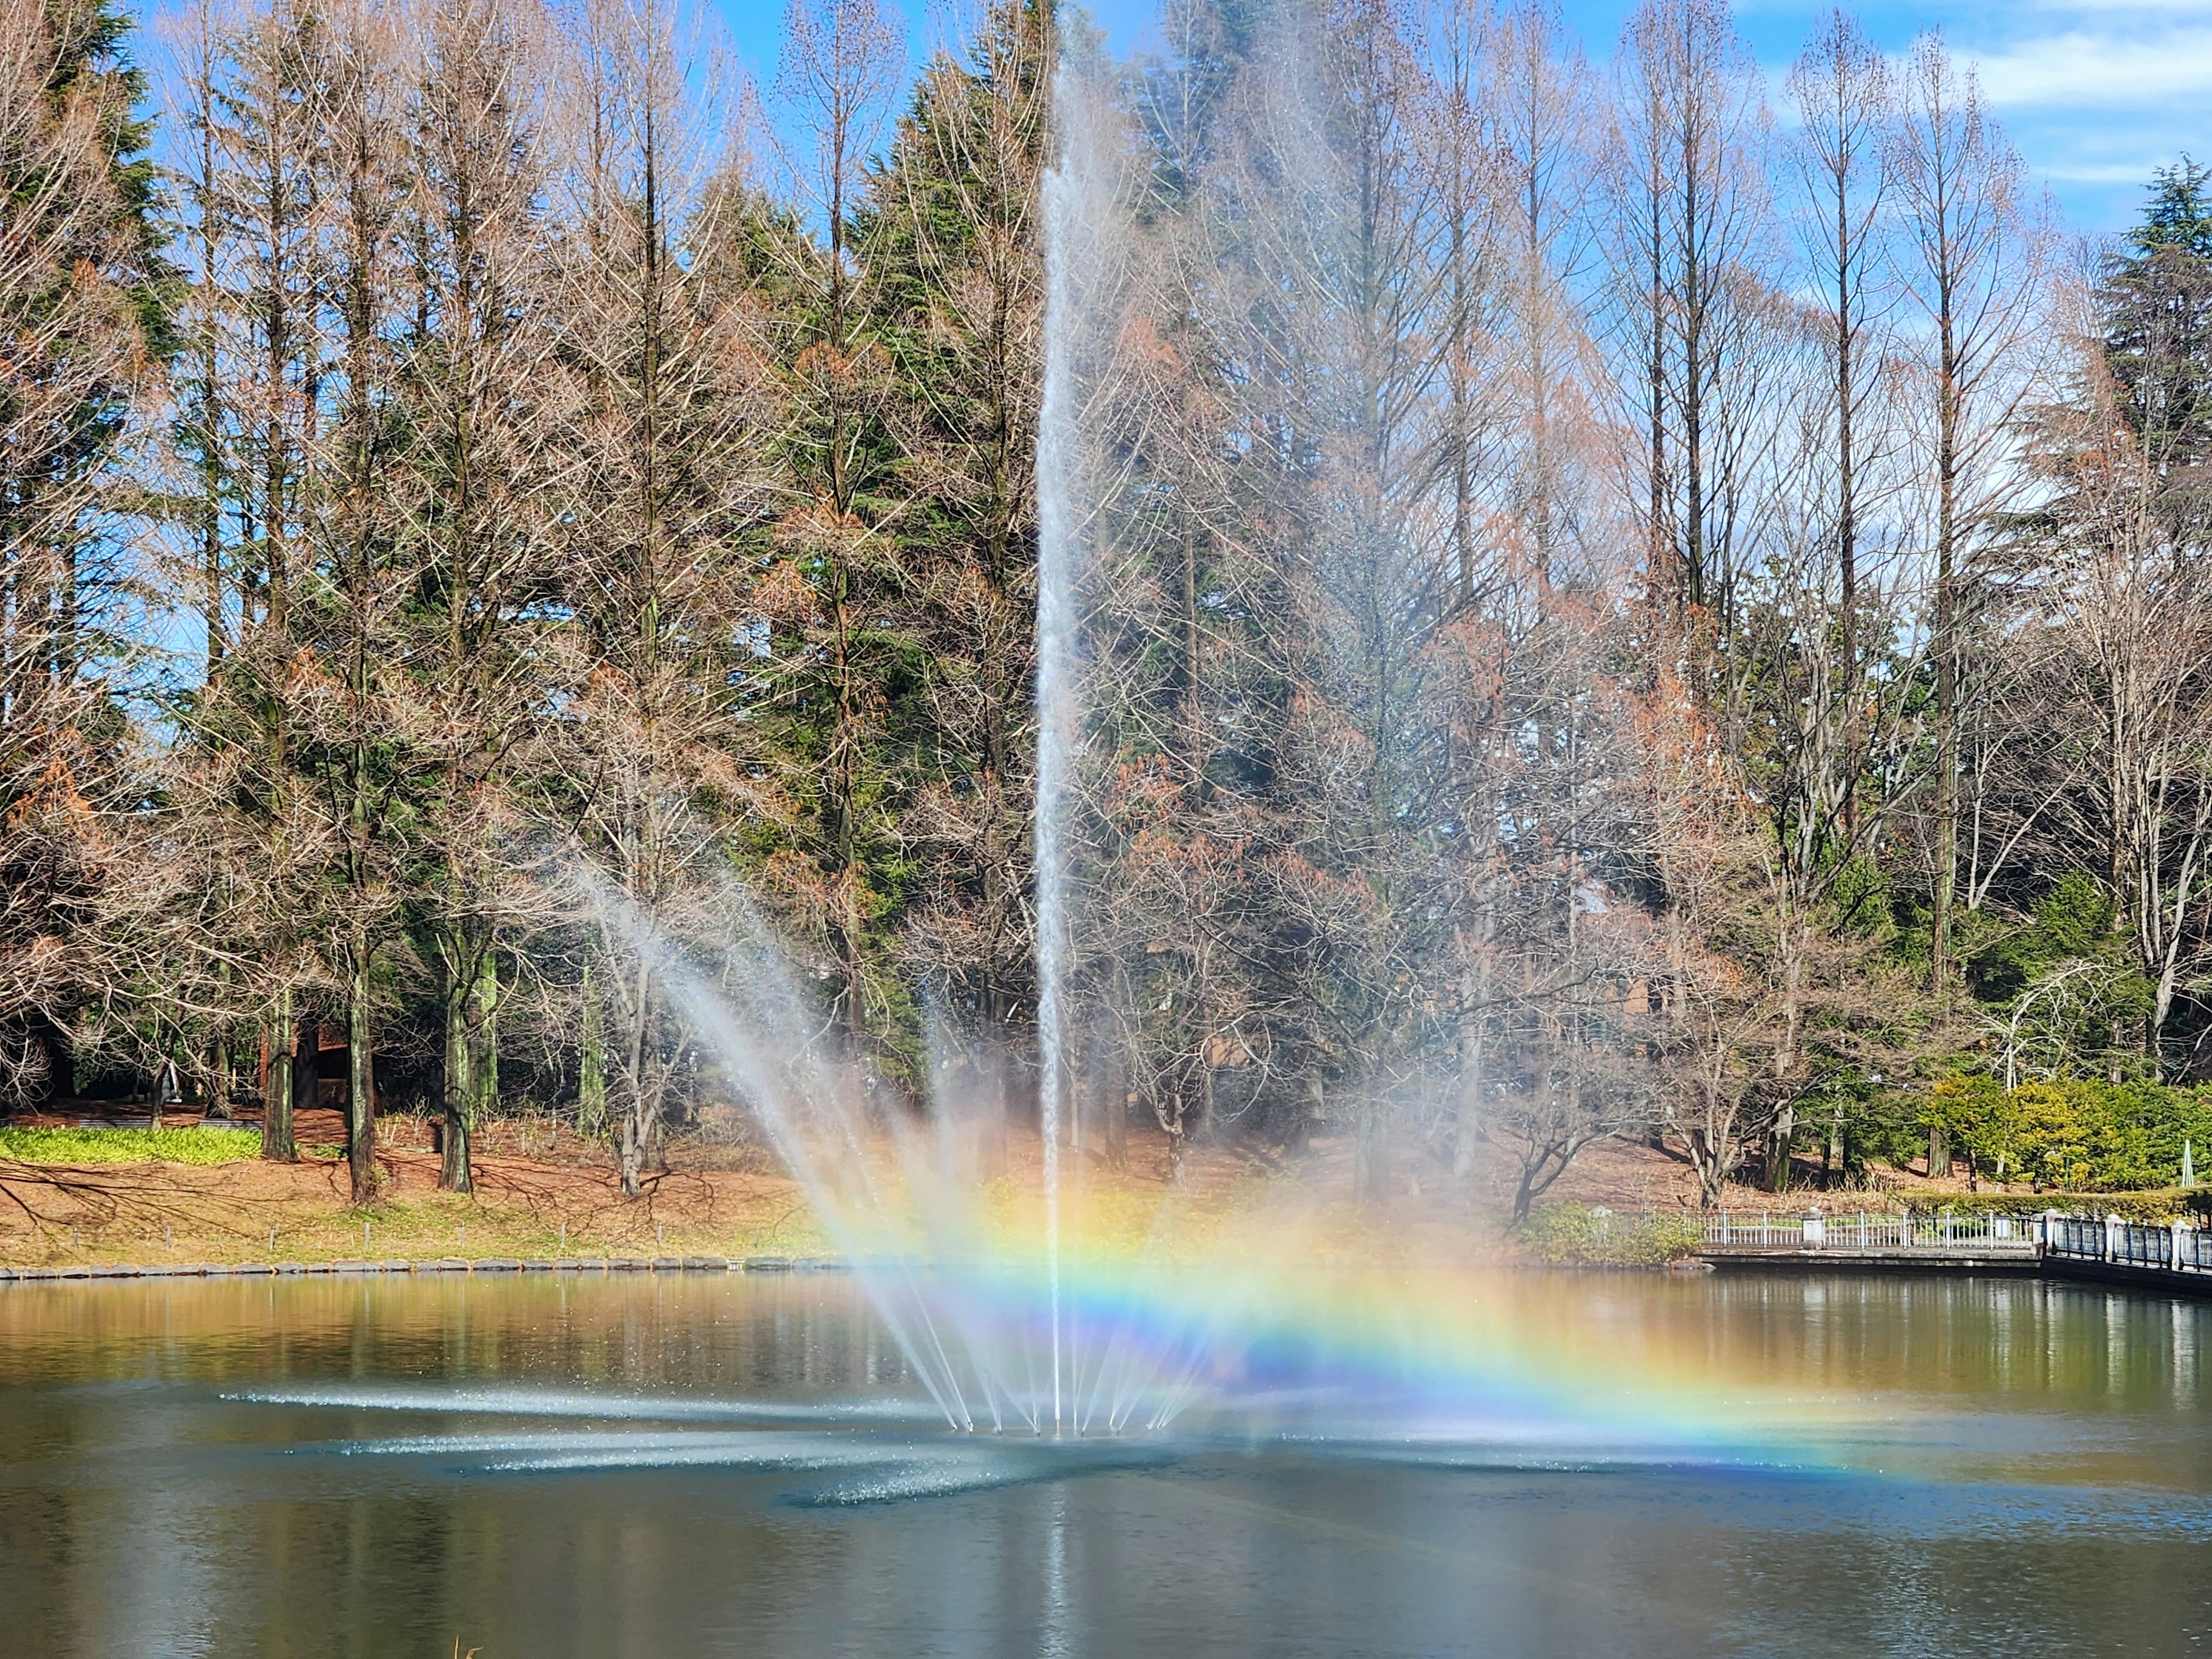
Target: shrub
(2074, 1134)
(2154, 1206)
(1561, 1233)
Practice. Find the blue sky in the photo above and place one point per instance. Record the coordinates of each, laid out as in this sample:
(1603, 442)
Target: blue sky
(2095, 93)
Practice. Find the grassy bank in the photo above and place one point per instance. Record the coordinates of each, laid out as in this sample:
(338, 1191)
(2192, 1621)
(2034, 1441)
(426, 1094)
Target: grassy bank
(71, 1196)
(132, 1203)
(197, 1147)
(176, 1196)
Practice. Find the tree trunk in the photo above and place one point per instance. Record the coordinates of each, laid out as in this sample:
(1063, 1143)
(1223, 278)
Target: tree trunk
(483, 1031)
(1778, 1149)
(631, 1145)
(277, 1144)
(307, 1075)
(1370, 1161)
(1473, 1038)
(218, 1089)
(629, 1155)
(361, 1073)
(999, 1131)
(1524, 1196)
(454, 1172)
(1708, 1148)
(1113, 1105)
(591, 1070)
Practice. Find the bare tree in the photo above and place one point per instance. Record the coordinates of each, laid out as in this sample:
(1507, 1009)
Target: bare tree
(359, 714)
(1841, 88)
(1688, 198)
(1977, 252)
(1545, 108)
(1824, 699)
(2133, 617)
(251, 98)
(75, 264)
(663, 482)
(479, 488)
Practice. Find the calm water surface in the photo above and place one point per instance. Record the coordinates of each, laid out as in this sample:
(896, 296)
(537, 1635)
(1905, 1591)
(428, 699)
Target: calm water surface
(646, 1466)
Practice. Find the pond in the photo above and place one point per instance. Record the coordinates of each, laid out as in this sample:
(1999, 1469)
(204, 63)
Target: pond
(662, 1465)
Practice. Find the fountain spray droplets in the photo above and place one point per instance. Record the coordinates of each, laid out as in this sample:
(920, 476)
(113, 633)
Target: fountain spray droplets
(983, 1322)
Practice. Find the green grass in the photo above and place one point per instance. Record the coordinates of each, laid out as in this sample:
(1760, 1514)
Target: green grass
(128, 1146)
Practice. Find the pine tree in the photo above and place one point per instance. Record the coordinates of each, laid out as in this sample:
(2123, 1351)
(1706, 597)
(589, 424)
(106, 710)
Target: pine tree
(956, 281)
(840, 657)
(2157, 302)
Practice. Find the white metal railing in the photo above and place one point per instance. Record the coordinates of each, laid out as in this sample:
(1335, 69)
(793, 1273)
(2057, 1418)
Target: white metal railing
(2176, 1247)
(1867, 1231)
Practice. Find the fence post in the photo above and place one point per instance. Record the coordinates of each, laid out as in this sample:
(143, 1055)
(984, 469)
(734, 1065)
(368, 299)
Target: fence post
(1816, 1231)
(2113, 1225)
(2174, 1258)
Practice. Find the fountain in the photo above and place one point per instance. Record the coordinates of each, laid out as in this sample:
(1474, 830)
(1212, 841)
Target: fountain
(1080, 217)
(982, 1319)
(978, 1314)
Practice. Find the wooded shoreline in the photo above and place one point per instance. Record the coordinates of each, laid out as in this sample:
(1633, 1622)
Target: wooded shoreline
(1601, 599)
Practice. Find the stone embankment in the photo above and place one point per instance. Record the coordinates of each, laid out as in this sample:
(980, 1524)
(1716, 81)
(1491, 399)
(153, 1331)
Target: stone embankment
(663, 1264)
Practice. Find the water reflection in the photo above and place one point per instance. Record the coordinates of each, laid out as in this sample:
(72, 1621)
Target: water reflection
(656, 1466)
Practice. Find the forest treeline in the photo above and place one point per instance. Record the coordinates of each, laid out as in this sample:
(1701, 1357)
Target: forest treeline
(1580, 600)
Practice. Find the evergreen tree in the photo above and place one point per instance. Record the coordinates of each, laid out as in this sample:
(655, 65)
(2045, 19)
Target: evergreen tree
(2157, 299)
(957, 283)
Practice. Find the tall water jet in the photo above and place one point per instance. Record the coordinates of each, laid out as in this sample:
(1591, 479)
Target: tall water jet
(1074, 222)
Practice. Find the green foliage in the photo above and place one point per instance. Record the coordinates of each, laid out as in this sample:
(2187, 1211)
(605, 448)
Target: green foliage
(2152, 1207)
(2076, 1001)
(1880, 1123)
(199, 1146)
(2079, 1136)
(2156, 298)
(2179, 213)
(1565, 1233)
(1861, 904)
(2074, 922)
(1977, 1117)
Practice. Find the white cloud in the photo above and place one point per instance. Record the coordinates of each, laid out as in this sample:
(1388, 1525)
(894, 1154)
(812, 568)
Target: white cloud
(2146, 7)
(2104, 173)
(2083, 71)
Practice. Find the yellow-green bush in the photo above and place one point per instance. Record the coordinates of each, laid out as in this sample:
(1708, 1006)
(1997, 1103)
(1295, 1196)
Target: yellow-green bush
(128, 1146)
(2151, 1206)
(1565, 1233)
(2073, 1134)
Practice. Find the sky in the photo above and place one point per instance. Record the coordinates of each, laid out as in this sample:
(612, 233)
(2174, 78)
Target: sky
(2096, 94)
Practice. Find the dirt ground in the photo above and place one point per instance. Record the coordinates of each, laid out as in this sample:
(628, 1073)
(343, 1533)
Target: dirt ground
(541, 1192)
